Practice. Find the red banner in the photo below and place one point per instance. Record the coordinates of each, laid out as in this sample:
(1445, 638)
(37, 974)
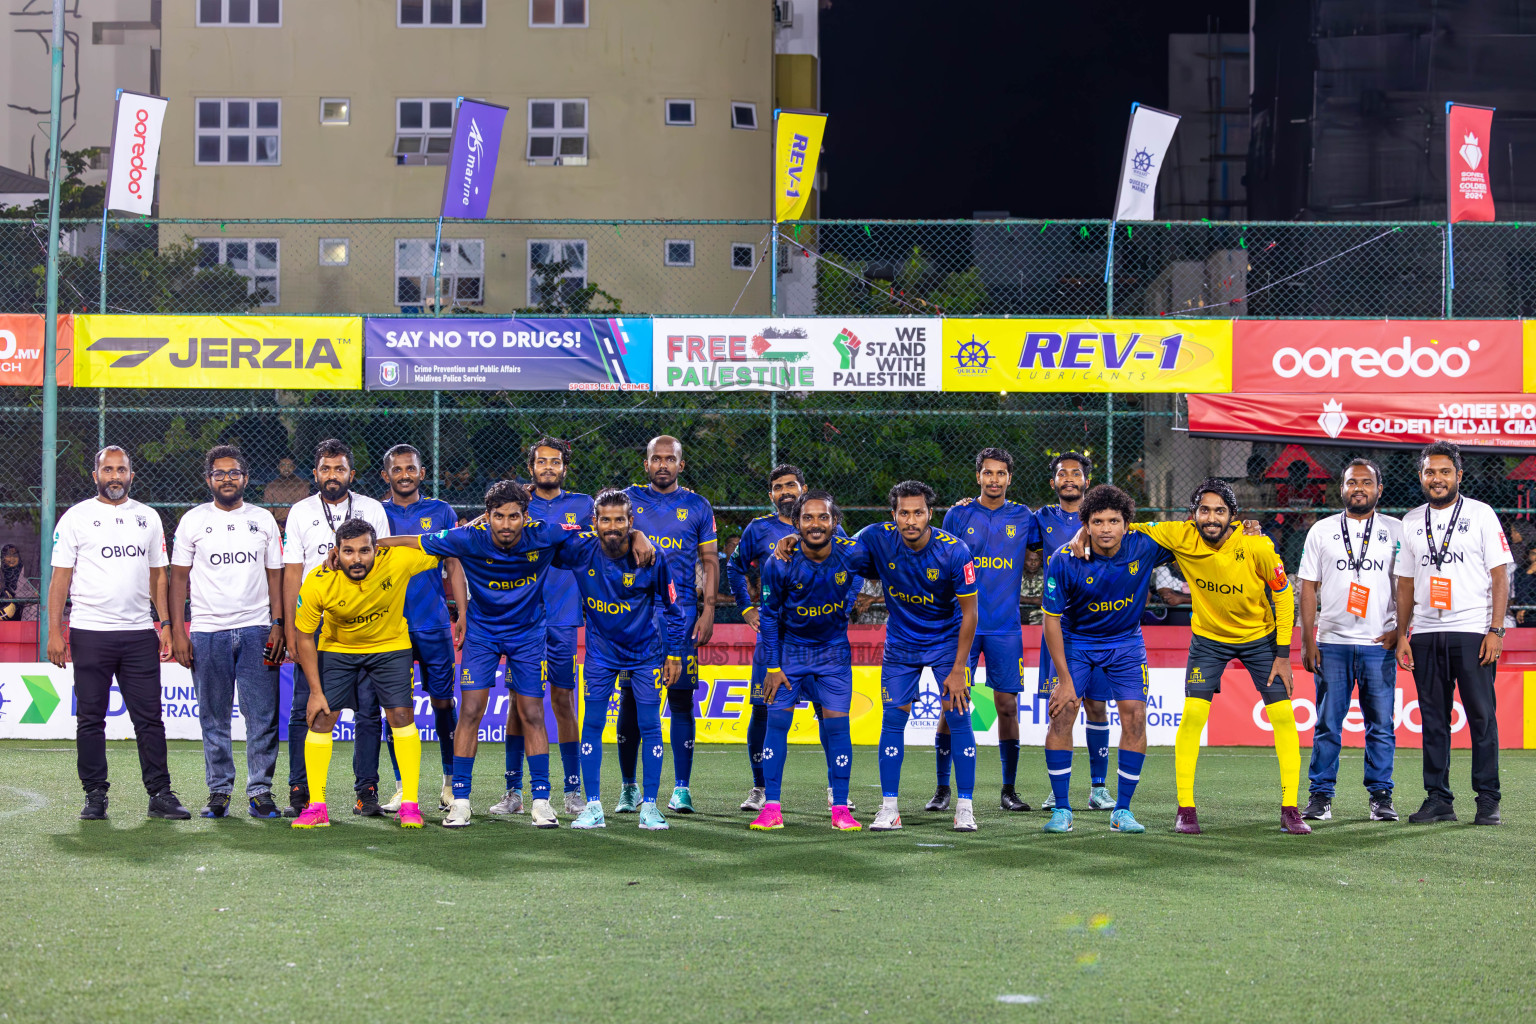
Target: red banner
(1471, 420)
(1467, 133)
(21, 350)
(1388, 356)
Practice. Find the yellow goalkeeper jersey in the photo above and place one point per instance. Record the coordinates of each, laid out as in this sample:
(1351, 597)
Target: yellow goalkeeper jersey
(1229, 586)
(364, 616)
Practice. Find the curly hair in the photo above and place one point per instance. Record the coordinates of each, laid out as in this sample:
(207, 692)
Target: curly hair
(506, 492)
(1107, 498)
(1220, 488)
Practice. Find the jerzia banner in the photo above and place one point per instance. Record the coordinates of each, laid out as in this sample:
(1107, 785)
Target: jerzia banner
(298, 353)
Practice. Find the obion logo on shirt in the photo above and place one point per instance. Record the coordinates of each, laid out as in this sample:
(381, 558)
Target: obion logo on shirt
(1386, 356)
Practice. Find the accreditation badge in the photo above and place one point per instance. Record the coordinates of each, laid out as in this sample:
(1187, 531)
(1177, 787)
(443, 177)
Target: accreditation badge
(1440, 593)
(1359, 598)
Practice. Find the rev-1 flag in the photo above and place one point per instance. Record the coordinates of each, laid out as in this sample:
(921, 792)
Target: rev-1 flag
(1146, 147)
(1467, 194)
(797, 146)
(472, 161)
(135, 152)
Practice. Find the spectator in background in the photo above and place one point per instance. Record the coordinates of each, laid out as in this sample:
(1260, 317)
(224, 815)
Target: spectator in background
(1298, 491)
(1515, 530)
(1525, 587)
(283, 490)
(16, 589)
(725, 601)
(869, 606)
(1032, 588)
(459, 488)
(1173, 590)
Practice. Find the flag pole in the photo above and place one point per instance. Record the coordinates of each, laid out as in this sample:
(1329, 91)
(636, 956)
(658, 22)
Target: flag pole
(773, 214)
(1109, 255)
(437, 244)
(47, 489)
(101, 263)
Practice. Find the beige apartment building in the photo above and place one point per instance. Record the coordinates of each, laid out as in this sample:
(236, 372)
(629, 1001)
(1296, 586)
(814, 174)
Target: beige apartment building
(343, 110)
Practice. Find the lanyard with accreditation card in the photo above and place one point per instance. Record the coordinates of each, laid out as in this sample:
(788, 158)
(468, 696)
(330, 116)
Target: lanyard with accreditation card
(1359, 593)
(1440, 586)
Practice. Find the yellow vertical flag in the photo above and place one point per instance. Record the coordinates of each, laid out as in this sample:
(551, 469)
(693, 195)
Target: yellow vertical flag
(797, 144)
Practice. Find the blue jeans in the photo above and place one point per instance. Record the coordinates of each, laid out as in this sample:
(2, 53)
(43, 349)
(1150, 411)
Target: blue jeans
(1375, 671)
(221, 662)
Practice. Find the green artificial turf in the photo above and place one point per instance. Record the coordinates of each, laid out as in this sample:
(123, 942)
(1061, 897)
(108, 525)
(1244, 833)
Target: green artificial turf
(138, 920)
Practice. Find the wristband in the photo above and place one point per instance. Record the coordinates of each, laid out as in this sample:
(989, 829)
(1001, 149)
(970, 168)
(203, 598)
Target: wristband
(164, 623)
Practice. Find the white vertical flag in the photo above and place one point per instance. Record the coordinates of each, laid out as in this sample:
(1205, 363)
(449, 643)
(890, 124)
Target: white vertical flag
(135, 152)
(1146, 146)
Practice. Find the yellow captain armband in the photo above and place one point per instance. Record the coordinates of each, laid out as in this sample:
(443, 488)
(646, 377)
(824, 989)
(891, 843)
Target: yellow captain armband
(674, 657)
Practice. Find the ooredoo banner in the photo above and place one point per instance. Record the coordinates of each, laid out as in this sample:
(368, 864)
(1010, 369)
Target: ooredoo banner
(301, 353)
(1470, 420)
(1446, 357)
(802, 354)
(1087, 355)
(503, 354)
(135, 152)
(21, 350)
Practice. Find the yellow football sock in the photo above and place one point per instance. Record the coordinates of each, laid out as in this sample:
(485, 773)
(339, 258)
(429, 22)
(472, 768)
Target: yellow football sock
(1287, 748)
(408, 754)
(1186, 748)
(317, 763)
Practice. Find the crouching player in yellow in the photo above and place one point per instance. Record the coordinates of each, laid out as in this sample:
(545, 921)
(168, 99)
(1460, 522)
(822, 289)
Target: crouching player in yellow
(358, 609)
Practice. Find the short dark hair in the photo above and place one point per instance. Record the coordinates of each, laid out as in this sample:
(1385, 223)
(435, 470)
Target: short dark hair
(356, 526)
(1078, 457)
(563, 447)
(1220, 488)
(817, 495)
(1361, 461)
(402, 449)
(1107, 498)
(222, 451)
(333, 448)
(996, 455)
(506, 492)
(1448, 449)
(785, 469)
(611, 497)
(911, 489)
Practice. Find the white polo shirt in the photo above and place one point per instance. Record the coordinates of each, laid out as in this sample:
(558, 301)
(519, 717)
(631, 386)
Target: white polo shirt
(1478, 546)
(1326, 562)
(111, 548)
(228, 553)
(311, 533)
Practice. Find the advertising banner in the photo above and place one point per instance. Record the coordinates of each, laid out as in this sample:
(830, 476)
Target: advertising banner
(1470, 420)
(502, 354)
(135, 152)
(1334, 357)
(801, 354)
(1146, 146)
(298, 353)
(796, 149)
(472, 160)
(1087, 355)
(21, 350)
(1467, 133)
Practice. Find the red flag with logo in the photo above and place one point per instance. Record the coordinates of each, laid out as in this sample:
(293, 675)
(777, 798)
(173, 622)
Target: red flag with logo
(1467, 149)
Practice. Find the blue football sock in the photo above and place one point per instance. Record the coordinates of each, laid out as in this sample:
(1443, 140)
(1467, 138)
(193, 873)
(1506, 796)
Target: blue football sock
(681, 707)
(1128, 769)
(389, 742)
(1058, 765)
(445, 720)
(538, 775)
(627, 733)
(963, 739)
(648, 744)
(1098, 752)
(826, 747)
(1008, 751)
(775, 746)
(941, 758)
(592, 747)
(893, 745)
(514, 773)
(757, 728)
(463, 775)
(839, 745)
(570, 763)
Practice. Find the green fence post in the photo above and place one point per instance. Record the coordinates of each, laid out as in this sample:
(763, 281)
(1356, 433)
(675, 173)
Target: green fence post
(773, 429)
(1109, 437)
(437, 468)
(48, 497)
(101, 418)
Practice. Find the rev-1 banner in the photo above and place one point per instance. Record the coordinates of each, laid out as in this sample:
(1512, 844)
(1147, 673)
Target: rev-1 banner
(1471, 420)
(500, 354)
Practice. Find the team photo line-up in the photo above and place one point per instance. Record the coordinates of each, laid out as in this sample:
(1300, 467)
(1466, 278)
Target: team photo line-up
(356, 594)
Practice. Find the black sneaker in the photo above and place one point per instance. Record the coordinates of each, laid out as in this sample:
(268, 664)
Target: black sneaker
(166, 804)
(1381, 806)
(1433, 810)
(940, 801)
(1010, 800)
(1319, 808)
(298, 799)
(1487, 812)
(95, 808)
(218, 805)
(368, 802)
(263, 806)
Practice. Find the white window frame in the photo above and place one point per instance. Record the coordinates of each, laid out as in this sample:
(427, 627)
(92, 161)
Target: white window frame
(560, 22)
(346, 252)
(561, 134)
(693, 112)
(224, 132)
(426, 16)
(751, 253)
(226, 23)
(744, 104)
(251, 273)
(346, 119)
(426, 133)
(451, 274)
(666, 252)
(581, 276)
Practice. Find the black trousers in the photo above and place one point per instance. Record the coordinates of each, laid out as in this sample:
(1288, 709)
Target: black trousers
(1442, 664)
(133, 657)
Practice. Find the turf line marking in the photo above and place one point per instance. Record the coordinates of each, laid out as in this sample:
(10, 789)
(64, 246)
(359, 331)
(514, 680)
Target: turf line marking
(35, 801)
(1017, 999)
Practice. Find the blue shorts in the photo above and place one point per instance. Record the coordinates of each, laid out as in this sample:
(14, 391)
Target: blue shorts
(433, 651)
(901, 670)
(821, 675)
(1048, 678)
(602, 677)
(560, 653)
(1004, 653)
(688, 678)
(1109, 673)
(527, 671)
(759, 672)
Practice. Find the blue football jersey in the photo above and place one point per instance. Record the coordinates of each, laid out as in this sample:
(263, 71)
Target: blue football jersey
(426, 602)
(998, 539)
(1100, 600)
(755, 550)
(562, 605)
(621, 600)
(678, 523)
(806, 603)
(920, 586)
(506, 596)
(1053, 528)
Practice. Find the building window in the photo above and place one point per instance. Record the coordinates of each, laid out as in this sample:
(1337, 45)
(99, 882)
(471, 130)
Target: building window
(335, 252)
(744, 115)
(679, 111)
(336, 111)
(240, 12)
(238, 131)
(255, 259)
(557, 13)
(743, 255)
(557, 131)
(557, 271)
(424, 128)
(678, 252)
(461, 268)
(441, 13)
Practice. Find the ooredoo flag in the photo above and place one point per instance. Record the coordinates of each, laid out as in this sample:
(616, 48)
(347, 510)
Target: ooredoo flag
(797, 145)
(1467, 130)
(135, 152)
(472, 160)
(1146, 147)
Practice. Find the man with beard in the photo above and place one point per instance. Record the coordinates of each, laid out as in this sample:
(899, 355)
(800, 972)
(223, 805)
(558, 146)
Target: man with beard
(229, 554)
(1346, 566)
(108, 559)
(624, 601)
(308, 539)
(1452, 590)
(549, 461)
